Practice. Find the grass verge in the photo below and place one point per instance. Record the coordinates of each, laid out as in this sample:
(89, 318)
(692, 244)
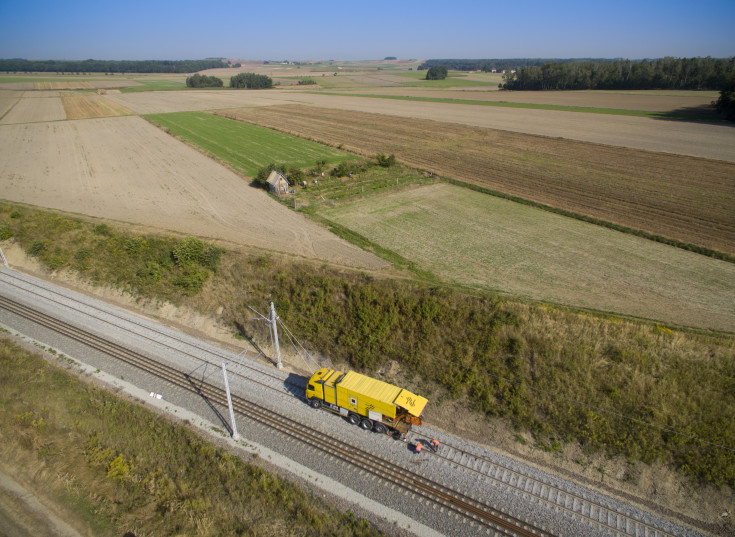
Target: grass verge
(118, 467)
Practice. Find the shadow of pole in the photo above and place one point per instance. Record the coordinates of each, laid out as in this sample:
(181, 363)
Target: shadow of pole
(217, 413)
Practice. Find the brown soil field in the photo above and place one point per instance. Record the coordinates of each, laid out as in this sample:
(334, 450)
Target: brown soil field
(713, 141)
(35, 106)
(126, 169)
(684, 198)
(89, 106)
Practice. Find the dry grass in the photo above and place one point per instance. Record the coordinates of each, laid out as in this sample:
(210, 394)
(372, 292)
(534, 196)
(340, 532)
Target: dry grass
(684, 198)
(73, 84)
(90, 106)
(493, 244)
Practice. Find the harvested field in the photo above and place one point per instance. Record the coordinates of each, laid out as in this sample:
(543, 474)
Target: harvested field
(162, 102)
(63, 85)
(691, 101)
(8, 98)
(89, 106)
(33, 107)
(489, 243)
(684, 198)
(695, 139)
(129, 170)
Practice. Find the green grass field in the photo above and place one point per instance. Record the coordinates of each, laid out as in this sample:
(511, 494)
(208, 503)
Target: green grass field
(244, 147)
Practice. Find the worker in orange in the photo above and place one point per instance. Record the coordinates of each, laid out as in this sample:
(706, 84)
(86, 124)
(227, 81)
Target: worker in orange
(418, 447)
(435, 445)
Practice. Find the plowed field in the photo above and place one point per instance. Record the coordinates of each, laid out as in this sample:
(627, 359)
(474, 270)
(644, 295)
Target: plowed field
(685, 198)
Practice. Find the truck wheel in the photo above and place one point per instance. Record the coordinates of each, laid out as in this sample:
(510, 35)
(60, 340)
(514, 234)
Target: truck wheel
(354, 419)
(366, 424)
(315, 403)
(379, 428)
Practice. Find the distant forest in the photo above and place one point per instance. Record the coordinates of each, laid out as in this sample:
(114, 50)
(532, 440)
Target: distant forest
(109, 66)
(489, 65)
(663, 73)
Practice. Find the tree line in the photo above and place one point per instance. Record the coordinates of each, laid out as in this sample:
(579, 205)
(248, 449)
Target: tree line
(251, 81)
(489, 64)
(203, 81)
(109, 66)
(663, 73)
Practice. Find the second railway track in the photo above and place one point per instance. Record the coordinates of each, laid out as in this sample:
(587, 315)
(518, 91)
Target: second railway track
(575, 505)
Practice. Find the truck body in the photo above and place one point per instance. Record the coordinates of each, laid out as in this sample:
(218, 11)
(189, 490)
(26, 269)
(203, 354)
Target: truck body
(371, 403)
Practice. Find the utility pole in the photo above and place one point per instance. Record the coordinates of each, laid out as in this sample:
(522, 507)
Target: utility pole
(274, 335)
(235, 435)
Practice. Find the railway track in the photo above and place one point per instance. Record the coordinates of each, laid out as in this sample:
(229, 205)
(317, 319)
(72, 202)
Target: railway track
(494, 521)
(573, 504)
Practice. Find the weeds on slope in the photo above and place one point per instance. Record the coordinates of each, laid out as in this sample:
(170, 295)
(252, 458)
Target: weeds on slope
(118, 467)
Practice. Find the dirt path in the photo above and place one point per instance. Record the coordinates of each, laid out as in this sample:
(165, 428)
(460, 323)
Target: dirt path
(23, 515)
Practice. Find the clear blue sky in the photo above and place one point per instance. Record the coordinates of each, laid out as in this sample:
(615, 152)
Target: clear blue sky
(354, 30)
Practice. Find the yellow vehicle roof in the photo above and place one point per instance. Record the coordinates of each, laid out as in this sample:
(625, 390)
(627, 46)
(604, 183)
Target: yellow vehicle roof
(377, 389)
(413, 403)
(384, 392)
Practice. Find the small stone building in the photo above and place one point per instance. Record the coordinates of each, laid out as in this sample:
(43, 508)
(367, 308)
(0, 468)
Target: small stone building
(277, 183)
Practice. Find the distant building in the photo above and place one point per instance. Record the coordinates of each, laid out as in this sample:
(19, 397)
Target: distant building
(277, 183)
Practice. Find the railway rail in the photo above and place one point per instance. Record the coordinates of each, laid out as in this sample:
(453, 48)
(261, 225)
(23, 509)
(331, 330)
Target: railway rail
(576, 505)
(495, 521)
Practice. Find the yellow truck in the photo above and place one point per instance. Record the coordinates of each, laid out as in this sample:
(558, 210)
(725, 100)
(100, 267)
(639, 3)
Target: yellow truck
(370, 403)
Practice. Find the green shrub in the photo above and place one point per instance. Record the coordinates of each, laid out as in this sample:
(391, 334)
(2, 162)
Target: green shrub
(295, 175)
(188, 251)
(191, 280)
(344, 169)
(102, 229)
(211, 257)
(5, 232)
(386, 162)
(133, 244)
(37, 248)
(151, 271)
